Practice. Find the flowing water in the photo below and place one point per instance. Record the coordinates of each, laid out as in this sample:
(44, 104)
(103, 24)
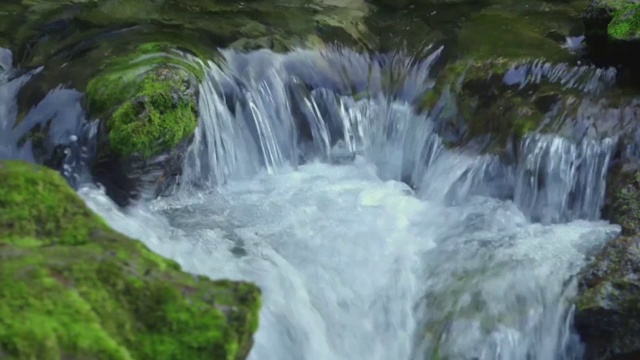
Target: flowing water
(312, 175)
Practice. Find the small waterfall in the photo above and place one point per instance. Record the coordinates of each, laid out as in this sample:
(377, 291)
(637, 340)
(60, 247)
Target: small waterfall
(558, 180)
(588, 79)
(265, 110)
(369, 237)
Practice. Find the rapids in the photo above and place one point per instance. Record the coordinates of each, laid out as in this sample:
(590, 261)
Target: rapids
(312, 175)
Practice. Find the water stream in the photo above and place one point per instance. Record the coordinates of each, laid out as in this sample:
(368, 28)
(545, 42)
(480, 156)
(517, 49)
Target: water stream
(313, 176)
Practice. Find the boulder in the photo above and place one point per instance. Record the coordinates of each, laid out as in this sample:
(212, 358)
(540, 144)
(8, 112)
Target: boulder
(148, 113)
(72, 288)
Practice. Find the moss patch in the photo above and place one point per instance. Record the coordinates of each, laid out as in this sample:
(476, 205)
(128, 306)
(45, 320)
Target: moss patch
(37, 209)
(148, 99)
(625, 24)
(94, 293)
(153, 122)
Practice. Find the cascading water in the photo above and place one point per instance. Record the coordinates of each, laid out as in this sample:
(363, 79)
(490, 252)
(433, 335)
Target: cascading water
(297, 181)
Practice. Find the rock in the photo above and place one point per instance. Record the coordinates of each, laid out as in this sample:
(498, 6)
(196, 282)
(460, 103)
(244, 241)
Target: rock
(623, 199)
(501, 33)
(492, 102)
(608, 305)
(612, 32)
(148, 115)
(72, 288)
(607, 312)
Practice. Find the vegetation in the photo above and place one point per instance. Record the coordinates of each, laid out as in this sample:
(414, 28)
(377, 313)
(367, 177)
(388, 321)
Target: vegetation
(70, 287)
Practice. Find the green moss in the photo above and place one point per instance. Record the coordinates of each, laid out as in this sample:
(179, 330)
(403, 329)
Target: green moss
(38, 209)
(625, 24)
(154, 124)
(118, 80)
(102, 295)
(148, 100)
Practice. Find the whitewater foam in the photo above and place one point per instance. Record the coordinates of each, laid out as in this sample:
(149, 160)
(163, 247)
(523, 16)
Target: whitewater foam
(344, 258)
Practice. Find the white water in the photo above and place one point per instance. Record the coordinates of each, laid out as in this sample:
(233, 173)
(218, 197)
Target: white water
(294, 185)
(345, 260)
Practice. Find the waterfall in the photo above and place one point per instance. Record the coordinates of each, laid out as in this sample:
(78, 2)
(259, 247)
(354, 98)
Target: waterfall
(265, 110)
(313, 175)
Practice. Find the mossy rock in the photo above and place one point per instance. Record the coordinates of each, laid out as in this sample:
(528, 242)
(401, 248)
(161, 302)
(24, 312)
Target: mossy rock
(608, 306)
(72, 288)
(474, 103)
(147, 114)
(620, 19)
(40, 30)
(148, 111)
(623, 199)
(495, 32)
(490, 104)
(612, 30)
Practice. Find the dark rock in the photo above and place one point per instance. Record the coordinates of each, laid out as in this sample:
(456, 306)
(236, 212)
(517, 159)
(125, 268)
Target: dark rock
(623, 199)
(608, 308)
(146, 126)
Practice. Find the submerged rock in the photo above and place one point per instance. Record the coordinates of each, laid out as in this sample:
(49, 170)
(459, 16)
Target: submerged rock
(148, 113)
(72, 288)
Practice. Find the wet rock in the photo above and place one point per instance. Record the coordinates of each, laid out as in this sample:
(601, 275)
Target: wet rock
(608, 306)
(72, 288)
(40, 30)
(612, 31)
(623, 199)
(506, 34)
(490, 103)
(148, 114)
(607, 312)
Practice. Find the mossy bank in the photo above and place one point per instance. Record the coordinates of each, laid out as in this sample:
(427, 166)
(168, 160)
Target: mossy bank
(72, 288)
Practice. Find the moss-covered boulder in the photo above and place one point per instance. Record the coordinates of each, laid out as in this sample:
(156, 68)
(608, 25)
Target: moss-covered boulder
(612, 30)
(72, 288)
(148, 111)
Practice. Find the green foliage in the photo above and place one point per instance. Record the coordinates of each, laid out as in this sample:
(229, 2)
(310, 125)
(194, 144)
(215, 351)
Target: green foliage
(95, 294)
